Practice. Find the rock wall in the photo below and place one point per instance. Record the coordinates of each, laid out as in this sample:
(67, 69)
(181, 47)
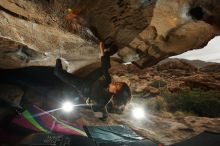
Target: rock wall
(144, 31)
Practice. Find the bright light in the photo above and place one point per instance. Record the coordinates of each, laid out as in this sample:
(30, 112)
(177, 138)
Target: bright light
(127, 63)
(138, 113)
(67, 106)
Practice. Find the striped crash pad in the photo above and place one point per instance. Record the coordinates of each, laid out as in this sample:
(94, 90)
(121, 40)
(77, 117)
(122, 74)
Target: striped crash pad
(35, 119)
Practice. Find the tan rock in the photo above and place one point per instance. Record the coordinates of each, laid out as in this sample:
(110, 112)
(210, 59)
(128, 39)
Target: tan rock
(175, 65)
(204, 81)
(153, 90)
(201, 124)
(145, 32)
(213, 68)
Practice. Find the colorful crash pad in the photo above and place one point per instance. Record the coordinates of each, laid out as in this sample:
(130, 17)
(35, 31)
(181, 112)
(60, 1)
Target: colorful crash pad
(37, 120)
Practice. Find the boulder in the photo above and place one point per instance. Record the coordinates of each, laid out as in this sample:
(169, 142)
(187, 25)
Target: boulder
(145, 32)
(213, 68)
(177, 64)
(203, 81)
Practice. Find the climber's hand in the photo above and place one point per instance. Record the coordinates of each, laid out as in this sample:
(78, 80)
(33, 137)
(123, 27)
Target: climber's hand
(102, 48)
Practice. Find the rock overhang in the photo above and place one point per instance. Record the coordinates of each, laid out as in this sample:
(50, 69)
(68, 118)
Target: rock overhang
(145, 31)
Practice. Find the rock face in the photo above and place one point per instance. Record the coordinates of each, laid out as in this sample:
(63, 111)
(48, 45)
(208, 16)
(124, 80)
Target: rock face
(213, 68)
(27, 39)
(204, 81)
(144, 31)
(172, 74)
(177, 64)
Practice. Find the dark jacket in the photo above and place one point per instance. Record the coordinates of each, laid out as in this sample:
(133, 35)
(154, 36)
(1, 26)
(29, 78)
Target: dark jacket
(90, 86)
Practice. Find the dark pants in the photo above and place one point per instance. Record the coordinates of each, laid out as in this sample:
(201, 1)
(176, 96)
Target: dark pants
(42, 80)
(40, 85)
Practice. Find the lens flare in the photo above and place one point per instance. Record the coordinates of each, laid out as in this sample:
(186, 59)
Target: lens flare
(67, 106)
(138, 113)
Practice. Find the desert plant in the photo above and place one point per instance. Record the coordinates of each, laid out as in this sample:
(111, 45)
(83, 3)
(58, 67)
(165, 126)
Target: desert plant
(158, 83)
(196, 101)
(157, 104)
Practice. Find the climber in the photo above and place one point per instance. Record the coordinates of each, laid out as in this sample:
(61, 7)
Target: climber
(105, 94)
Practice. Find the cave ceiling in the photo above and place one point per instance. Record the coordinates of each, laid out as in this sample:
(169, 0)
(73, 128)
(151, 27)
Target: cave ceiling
(32, 32)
